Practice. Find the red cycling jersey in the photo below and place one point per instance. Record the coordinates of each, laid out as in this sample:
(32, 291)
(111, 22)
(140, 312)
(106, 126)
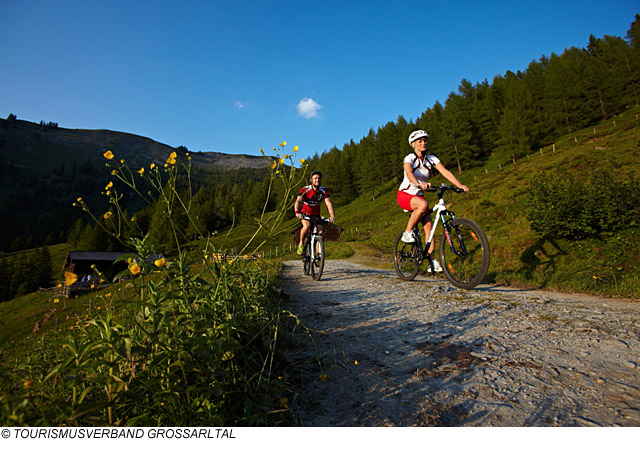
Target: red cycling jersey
(312, 199)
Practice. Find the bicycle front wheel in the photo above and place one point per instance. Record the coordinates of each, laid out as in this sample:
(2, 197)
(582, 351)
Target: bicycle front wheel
(405, 258)
(317, 265)
(464, 254)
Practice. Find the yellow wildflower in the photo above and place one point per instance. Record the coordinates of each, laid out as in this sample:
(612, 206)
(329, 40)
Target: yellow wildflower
(27, 384)
(134, 269)
(283, 143)
(133, 219)
(324, 377)
(172, 158)
(295, 149)
(114, 172)
(141, 171)
(122, 161)
(108, 154)
(107, 215)
(152, 166)
(281, 160)
(108, 294)
(79, 199)
(356, 362)
(159, 262)
(273, 166)
(108, 193)
(301, 160)
(108, 186)
(56, 300)
(70, 278)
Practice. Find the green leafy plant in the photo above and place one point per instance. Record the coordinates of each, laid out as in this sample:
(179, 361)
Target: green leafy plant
(189, 338)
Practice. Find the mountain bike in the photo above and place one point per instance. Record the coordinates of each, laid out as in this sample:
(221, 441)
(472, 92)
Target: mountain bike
(463, 250)
(313, 254)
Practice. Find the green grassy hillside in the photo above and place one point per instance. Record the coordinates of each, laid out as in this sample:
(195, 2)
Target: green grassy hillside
(498, 201)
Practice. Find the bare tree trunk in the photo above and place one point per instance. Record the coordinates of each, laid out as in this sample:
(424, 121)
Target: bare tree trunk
(604, 113)
(458, 159)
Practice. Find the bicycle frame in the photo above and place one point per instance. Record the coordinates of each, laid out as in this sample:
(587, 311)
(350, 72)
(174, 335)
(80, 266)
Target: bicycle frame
(442, 214)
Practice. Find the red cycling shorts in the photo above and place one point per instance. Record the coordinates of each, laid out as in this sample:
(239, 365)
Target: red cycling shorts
(404, 200)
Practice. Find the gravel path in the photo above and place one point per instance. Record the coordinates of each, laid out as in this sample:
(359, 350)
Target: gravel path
(397, 353)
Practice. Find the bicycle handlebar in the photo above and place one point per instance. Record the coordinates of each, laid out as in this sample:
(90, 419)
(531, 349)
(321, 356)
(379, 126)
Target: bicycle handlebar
(443, 188)
(317, 218)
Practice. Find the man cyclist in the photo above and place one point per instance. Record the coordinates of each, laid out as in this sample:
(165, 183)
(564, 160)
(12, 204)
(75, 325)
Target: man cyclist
(308, 202)
(418, 167)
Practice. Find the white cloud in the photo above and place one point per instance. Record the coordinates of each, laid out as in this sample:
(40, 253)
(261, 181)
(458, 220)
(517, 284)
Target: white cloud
(240, 104)
(308, 108)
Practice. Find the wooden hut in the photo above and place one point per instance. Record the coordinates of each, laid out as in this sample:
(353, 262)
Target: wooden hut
(80, 262)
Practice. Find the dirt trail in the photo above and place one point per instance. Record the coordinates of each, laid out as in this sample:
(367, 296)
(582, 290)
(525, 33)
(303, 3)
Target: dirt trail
(424, 353)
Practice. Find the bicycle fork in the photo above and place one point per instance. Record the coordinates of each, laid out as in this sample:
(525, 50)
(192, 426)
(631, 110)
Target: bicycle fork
(312, 247)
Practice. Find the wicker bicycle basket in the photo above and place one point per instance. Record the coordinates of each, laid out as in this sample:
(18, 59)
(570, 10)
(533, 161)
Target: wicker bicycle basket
(331, 233)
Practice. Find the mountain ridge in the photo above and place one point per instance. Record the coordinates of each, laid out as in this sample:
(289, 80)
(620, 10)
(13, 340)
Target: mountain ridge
(34, 147)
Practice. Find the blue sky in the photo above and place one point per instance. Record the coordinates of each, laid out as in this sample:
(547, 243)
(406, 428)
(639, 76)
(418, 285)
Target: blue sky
(239, 75)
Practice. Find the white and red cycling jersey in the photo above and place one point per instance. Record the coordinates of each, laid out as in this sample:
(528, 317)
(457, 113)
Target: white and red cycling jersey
(423, 168)
(312, 199)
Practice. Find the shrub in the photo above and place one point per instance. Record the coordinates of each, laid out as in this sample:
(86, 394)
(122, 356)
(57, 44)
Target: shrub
(577, 207)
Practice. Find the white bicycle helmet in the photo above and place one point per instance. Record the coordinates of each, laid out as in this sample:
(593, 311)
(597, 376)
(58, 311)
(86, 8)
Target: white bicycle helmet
(417, 135)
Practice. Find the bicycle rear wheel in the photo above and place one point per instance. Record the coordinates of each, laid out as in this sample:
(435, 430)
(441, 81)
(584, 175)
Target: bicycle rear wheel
(317, 265)
(465, 258)
(405, 258)
(306, 257)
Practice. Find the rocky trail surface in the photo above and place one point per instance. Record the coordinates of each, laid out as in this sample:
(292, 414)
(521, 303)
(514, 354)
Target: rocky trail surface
(420, 353)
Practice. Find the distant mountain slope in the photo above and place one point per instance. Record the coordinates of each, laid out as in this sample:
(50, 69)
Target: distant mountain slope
(44, 168)
(38, 149)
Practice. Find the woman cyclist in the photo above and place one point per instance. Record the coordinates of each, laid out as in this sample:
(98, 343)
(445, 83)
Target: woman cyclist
(418, 167)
